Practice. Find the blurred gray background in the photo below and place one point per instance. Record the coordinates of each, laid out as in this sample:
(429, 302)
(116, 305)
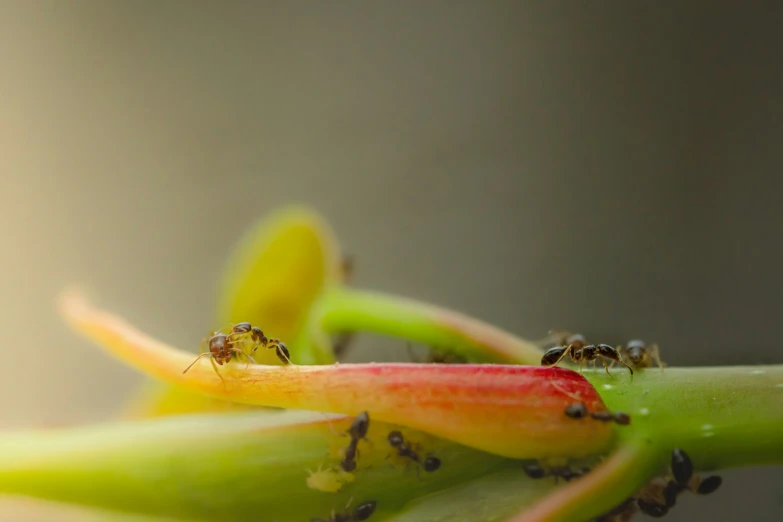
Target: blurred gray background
(609, 167)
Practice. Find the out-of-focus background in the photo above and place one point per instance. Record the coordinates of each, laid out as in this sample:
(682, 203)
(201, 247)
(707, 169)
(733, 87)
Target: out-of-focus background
(613, 168)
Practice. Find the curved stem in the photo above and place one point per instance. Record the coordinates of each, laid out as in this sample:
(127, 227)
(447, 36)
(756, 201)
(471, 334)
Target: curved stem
(602, 489)
(343, 309)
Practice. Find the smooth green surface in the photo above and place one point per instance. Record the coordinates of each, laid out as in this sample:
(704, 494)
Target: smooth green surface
(219, 467)
(347, 310)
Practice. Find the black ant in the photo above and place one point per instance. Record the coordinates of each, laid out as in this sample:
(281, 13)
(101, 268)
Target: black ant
(357, 431)
(437, 357)
(396, 440)
(658, 498)
(362, 512)
(535, 471)
(638, 354)
(584, 354)
(682, 470)
(258, 337)
(618, 417)
(221, 349)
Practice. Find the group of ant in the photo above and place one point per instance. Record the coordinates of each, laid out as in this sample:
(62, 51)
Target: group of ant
(635, 353)
(358, 431)
(223, 347)
(579, 410)
(658, 496)
(404, 449)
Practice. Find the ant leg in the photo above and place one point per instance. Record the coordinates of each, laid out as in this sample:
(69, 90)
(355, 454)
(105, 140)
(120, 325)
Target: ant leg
(197, 360)
(621, 362)
(581, 362)
(655, 353)
(605, 366)
(214, 367)
(566, 352)
(247, 356)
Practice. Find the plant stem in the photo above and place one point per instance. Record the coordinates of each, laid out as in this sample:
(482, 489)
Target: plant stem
(721, 416)
(343, 309)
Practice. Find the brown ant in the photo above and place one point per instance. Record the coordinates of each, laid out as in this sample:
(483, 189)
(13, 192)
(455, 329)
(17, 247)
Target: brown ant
(362, 512)
(404, 449)
(638, 354)
(584, 354)
(357, 431)
(258, 337)
(221, 349)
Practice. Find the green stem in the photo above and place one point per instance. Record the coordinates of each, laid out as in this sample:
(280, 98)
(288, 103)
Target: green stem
(348, 310)
(722, 417)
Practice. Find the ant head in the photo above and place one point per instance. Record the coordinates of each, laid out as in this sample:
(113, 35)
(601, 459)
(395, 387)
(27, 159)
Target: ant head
(431, 464)
(534, 471)
(360, 426)
(364, 511)
(577, 410)
(218, 343)
(348, 465)
(395, 438)
(637, 344)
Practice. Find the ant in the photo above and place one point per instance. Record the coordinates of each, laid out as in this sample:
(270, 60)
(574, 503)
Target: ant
(396, 441)
(657, 498)
(258, 337)
(639, 354)
(586, 353)
(437, 357)
(221, 349)
(623, 419)
(342, 341)
(682, 470)
(357, 431)
(362, 512)
(535, 471)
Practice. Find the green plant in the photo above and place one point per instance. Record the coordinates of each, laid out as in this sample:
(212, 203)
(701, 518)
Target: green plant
(232, 460)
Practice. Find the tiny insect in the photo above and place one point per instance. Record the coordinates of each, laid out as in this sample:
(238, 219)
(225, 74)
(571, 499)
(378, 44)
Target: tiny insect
(638, 354)
(404, 449)
(587, 353)
(577, 410)
(437, 357)
(568, 474)
(221, 349)
(682, 467)
(535, 471)
(362, 512)
(652, 509)
(357, 431)
(619, 417)
(709, 485)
